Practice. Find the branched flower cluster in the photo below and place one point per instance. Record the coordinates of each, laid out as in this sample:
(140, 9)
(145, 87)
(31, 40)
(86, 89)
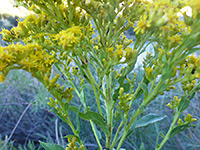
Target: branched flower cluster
(84, 38)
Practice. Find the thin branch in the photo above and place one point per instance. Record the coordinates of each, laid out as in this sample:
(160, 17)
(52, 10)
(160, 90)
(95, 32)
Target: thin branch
(20, 118)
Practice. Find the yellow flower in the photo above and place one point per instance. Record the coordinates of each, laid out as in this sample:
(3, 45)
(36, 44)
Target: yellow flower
(149, 70)
(175, 39)
(119, 52)
(70, 37)
(142, 24)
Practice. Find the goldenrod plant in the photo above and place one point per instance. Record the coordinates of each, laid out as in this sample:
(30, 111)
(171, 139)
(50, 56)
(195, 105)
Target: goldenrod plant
(61, 34)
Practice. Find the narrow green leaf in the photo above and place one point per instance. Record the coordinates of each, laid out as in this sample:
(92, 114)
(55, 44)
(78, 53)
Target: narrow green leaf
(167, 72)
(126, 87)
(94, 116)
(60, 116)
(129, 68)
(148, 119)
(121, 80)
(180, 128)
(144, 88)
(82, 99)
(66, 108)
(164, 58)
(115, 95)
(51, 146)
(77, 120)
(161, 135)
(162, 88)
(184, 103)
(146, 81)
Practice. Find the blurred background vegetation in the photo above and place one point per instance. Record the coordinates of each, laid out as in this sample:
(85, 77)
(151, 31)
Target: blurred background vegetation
(25, 117)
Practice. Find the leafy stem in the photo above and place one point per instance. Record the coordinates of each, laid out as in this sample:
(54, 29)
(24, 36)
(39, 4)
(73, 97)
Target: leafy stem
(167, 136)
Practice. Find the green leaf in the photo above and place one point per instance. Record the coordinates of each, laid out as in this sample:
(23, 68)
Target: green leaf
(115, 95)
(146, 81)
(60, 116)
(84, 66)
(144, 88)
(184, 103)
(66, 108)
(129, 68)
(162, 88)
(51, 146)
(77, 120)
(121, 80)
(126, 87)
(82, 99)
(180, 128)
(111, 14)
(116, 119)
(164, 58)
(144, 121)
(148, 119)
(161, 135)
(94, 116)
(167, 72)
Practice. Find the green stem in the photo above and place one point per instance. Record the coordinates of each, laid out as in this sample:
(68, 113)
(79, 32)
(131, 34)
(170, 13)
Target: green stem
(95, 134)
(137, 113)
(167, 136)
(69, 122)
(116, 135)
(91, 78)
(109, 110)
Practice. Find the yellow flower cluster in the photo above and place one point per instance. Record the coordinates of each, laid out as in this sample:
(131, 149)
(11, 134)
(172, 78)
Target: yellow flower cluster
(30, 57)
(129, 53)
(31, 25)
(124, 100)
(149, 71)
(142, 25)
(174, 103)
(70, 37)
(190, 70)
(72, 145)
(188, 119)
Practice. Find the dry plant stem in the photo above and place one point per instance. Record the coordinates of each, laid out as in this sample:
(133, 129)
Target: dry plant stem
(20, 118)
(56, 130)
